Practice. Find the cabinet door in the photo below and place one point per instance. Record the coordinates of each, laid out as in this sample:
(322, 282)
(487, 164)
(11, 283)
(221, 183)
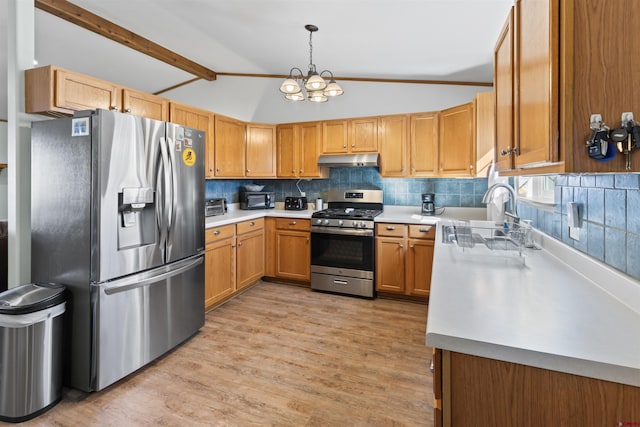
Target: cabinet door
(76, 92)
(250, 257)
(293, 259)
(219, 270)
(335, 136)
(537, 65)
(424, 144)
(419, 265)
(393, 141)
(229, 147)
(286, 151)
(145, 105)
(456, 150)
(390, 264)
(363, 135)
(504, 102)
(198, 119)
(484, 121)
(260, 150)
(310, 138)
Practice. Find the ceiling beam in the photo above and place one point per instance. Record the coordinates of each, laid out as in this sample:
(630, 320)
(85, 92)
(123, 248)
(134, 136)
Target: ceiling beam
(371, 79)
(85, 19)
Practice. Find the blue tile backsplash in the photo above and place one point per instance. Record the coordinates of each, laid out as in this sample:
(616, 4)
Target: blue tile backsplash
(609, 210)
(397, 191)
(608, 205)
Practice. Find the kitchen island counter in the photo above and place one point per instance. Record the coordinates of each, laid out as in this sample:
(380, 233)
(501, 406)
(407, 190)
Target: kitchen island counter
(555, 309)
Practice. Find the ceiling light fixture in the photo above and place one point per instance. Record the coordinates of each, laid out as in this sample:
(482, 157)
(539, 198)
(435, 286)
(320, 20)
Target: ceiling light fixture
(317, 89)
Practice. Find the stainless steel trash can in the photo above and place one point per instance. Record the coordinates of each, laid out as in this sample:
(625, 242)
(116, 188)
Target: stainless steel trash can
(31, 345)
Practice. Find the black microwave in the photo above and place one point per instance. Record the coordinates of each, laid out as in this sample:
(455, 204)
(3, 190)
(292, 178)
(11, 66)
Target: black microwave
(257, 200)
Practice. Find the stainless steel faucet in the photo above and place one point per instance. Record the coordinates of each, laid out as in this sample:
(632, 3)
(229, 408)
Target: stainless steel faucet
(512, 199)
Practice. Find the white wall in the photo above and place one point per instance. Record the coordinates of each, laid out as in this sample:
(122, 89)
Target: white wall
(259, 99)
(3, 173)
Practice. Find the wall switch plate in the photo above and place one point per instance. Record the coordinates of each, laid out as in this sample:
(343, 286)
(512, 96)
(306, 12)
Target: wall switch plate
(574, 233)
(573, 219)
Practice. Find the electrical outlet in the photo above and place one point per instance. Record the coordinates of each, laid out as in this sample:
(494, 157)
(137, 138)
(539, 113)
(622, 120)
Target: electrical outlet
(574, 233)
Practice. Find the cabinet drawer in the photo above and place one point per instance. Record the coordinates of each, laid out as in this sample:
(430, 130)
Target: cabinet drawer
(220, 233)
(422, 231)
(293, 224)
(391, 230)
(247, 226)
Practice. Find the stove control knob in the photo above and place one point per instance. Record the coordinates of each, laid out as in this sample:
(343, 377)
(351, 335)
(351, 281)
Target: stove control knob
(318, 221)
(326, 222)
(363, 224)
(340, 223)
(355, 224)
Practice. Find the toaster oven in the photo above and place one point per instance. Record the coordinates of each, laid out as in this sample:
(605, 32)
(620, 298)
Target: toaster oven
(216, 206)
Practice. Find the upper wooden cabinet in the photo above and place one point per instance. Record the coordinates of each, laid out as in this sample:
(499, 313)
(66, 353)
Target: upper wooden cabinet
(423, 137)
(298, 147)
(456, 150)
(196, 118)
(564, 71)
(484, 110)
(393, 136)
(350, 136)
(55, 91)
(503, 89)
(260, 150)
(229, 147)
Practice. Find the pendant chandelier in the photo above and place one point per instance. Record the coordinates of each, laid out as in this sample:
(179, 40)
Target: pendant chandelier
(317, 89)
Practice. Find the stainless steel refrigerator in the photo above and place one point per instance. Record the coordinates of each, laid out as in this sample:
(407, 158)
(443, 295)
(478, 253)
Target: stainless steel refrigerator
(117, 215)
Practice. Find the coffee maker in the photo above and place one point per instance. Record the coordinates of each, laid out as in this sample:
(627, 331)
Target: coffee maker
(428, 204)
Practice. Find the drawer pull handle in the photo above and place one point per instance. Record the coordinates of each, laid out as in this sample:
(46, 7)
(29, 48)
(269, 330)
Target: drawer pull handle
(390, 228)
(216, 233)
(425, 229)
(431, 366)
(251, 224)
(292, 223)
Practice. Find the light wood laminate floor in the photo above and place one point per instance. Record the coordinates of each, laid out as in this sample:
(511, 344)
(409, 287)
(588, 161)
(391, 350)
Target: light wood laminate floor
(278, 355)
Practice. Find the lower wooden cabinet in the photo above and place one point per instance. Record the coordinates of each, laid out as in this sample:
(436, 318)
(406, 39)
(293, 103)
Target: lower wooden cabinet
(478, 391)
(289, 248)
(250, 252)
(234, 259)
(220, 264)
(404, 258)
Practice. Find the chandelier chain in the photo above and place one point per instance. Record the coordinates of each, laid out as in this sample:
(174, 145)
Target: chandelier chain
(310, 50)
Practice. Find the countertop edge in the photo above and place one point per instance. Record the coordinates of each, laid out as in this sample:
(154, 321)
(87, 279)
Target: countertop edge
(536, 359)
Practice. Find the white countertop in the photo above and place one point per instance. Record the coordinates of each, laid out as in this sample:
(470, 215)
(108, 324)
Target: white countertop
(559, 310)
(396, 214)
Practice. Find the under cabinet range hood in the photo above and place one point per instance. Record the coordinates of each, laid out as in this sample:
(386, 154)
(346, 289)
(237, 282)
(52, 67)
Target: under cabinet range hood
(348, 160)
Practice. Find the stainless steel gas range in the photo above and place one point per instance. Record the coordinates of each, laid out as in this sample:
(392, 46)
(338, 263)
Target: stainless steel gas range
(343, 243)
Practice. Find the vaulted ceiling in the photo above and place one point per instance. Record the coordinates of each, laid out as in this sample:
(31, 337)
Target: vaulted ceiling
(449, 40)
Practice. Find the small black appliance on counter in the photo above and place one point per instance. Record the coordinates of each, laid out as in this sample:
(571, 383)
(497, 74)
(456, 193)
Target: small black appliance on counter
(216, 206)
(428, 204)
(293, 203)
(257, 200)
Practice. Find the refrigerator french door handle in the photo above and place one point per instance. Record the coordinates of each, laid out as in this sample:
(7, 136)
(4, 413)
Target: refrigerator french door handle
(141, 280)
(173, 182)
(166, 196)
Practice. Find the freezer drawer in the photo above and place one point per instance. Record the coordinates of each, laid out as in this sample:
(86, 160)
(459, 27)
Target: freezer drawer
(140, 317)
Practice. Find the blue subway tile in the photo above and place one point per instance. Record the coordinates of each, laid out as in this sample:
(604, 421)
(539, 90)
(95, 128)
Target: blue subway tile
(453, 187)
(573, 180)
(582, 243)
(633, 255)
(595, 239)
(467, 200)
(580, 196)
(633, 211)
(615, 207)
(595, 198)
(627, 181)
(605, 181)
(564, 231)
(562, 180)
(567, 196)
(615, 247)
(588, 181)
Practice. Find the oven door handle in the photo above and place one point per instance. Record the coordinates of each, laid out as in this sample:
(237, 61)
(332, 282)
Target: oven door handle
(341, 231)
